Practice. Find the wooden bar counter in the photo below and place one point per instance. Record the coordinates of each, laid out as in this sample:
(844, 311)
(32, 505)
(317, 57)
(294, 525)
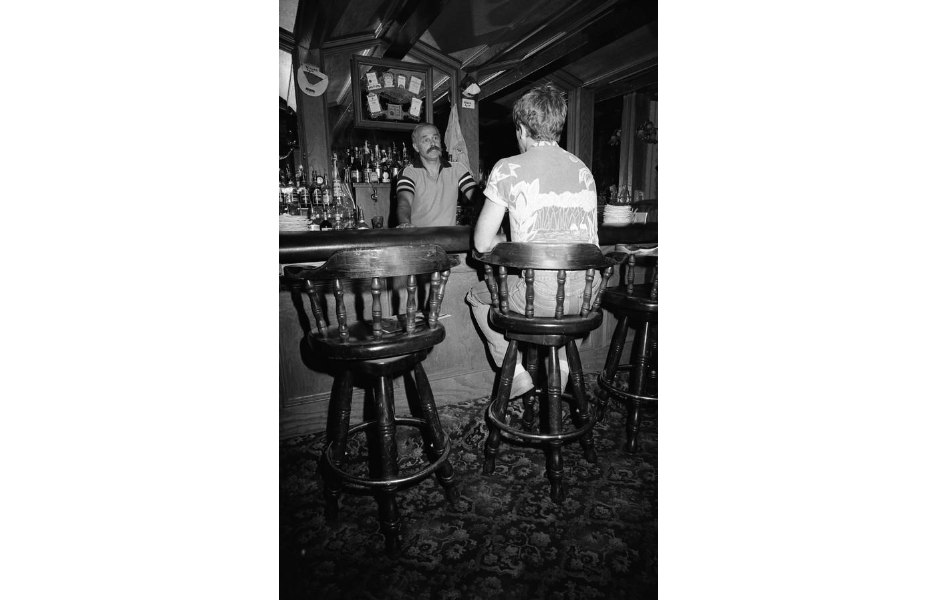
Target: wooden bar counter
(458, 368)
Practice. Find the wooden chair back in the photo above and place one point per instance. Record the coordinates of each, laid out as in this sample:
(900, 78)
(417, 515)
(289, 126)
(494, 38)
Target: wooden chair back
(531, 258)
(375, 265)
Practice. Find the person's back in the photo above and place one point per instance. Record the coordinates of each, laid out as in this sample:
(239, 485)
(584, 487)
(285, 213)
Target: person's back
(550, 197)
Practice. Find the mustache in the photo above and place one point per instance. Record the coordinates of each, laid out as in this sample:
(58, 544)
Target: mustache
(435, 148)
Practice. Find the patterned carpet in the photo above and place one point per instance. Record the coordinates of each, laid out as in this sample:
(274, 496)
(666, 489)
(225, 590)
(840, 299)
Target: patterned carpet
(504, 539)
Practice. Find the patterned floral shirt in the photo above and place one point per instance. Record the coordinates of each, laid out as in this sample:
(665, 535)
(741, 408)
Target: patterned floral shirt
(549, 195)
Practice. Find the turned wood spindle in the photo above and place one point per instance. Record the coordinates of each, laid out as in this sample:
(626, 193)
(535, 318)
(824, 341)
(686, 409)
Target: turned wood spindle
(560, 293)
(340, 311)
(320, 323)
(434, 284)
(502, 288)
(410, 303)
(529, 277)
(376, 313)
(586, 297)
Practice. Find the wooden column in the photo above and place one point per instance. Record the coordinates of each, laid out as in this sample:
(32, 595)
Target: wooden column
(628, 133)
(638, 158)
(641, 149)
(312, 111)
(580, 124)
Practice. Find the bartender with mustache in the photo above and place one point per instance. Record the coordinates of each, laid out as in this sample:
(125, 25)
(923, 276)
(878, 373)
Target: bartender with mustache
(427, 191)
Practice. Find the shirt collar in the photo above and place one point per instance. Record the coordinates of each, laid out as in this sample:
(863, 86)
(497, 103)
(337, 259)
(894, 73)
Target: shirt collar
(417, 162)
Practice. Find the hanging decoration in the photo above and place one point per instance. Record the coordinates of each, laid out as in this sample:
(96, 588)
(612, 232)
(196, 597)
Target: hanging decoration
(311, 80)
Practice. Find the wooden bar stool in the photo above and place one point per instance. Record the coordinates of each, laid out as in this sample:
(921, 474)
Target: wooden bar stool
(374, 352)
(634, 306)
(557, 330)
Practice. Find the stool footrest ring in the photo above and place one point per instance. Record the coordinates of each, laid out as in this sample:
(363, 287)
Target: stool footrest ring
(630, 396)
(609, 386)
(389, 483)
(541, 437)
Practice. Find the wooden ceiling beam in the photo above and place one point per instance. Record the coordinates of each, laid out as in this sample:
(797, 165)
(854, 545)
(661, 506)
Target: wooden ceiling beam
(409, 23)
(523, 27)
(315, 22)
(430, 55)
(610, 27)
(287, 42)
(350, 44)
(573, 17)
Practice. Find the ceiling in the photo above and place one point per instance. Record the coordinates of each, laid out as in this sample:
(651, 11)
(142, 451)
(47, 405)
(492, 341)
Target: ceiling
(611, 47)
(608, 46)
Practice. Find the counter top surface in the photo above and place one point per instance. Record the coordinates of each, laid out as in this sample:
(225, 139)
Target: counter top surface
(305, 246)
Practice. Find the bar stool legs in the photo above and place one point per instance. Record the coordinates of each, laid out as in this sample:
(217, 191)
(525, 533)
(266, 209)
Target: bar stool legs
(339, 415)
(436, 441)
(384, 473)
(611, 363)
(580, 414)
(498, 407)
(388, 460)
(529, 398)
(643, 373)
(639, 388)
(554, 416)
(554, 436)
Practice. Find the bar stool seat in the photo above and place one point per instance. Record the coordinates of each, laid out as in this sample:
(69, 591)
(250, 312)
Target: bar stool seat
(370, 353)
(636, 306)
(549, 333)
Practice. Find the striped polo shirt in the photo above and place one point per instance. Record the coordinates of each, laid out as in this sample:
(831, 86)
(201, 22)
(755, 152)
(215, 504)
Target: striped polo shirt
(435, 198)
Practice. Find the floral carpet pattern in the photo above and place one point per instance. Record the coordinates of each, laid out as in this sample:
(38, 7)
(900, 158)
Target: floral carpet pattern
(503, 539)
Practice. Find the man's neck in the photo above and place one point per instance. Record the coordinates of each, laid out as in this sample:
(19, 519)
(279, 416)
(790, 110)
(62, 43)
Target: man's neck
(433, 164)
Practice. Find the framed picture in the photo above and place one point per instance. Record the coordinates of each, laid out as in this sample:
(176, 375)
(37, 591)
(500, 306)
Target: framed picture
(390, 94)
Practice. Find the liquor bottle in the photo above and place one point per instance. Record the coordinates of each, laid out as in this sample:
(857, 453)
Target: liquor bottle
(320, 183)
(314, 191)
(300, 176)
(361, 224)
(336, 217)
(385, 172)
(336, 187)
(363, 157)
(315, 218)
(292, 202)
(326, 196)
(302, 190)
(283, 196)
(356, 166)
(335, 175)
(326, 223)
(395, 167)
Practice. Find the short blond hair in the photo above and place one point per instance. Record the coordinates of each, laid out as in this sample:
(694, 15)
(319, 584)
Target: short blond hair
(542, 110)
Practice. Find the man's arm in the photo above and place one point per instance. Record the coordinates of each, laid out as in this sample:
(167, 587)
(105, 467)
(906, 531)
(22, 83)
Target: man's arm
(473, 195)
(404, 208)
(489, 221)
